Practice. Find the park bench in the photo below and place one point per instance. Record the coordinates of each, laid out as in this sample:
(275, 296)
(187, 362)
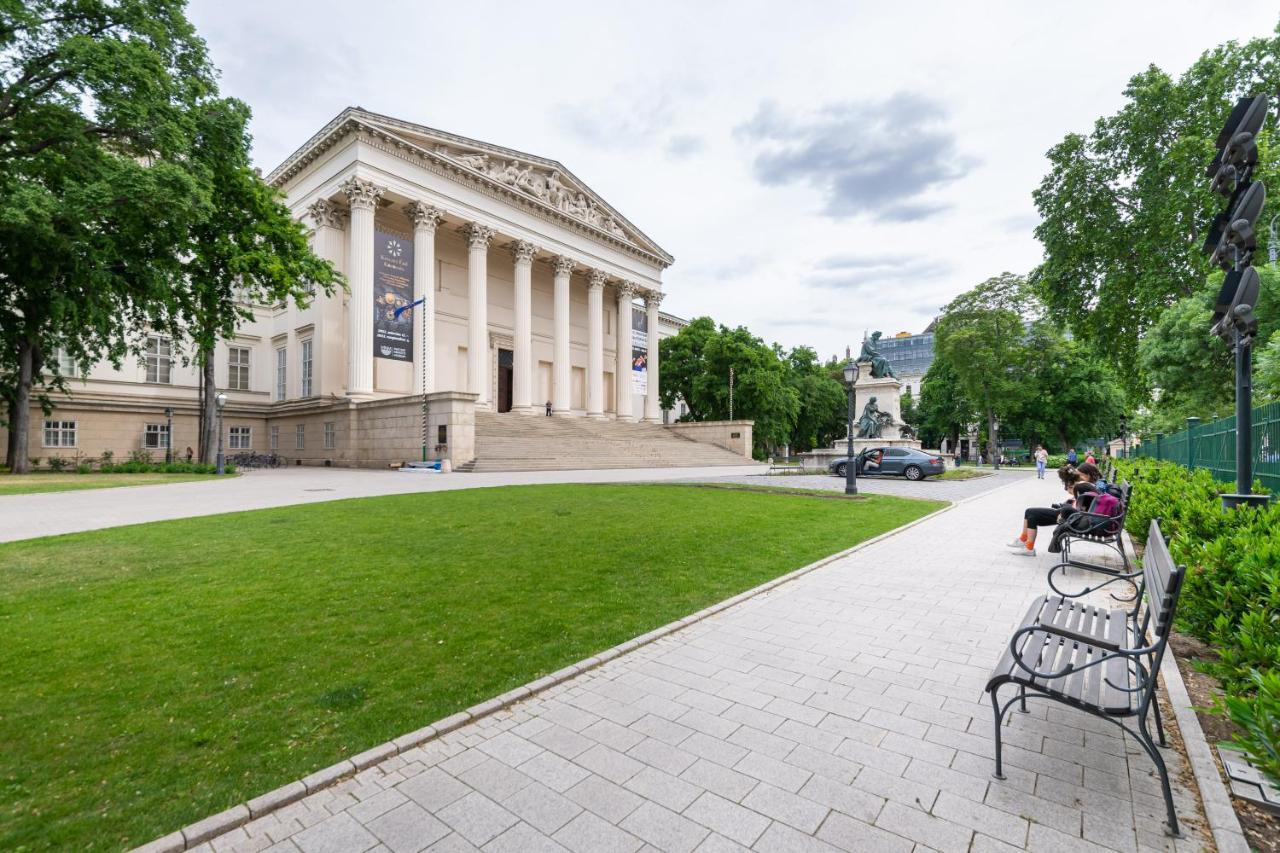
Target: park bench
(1107, 530)
(1099, 660)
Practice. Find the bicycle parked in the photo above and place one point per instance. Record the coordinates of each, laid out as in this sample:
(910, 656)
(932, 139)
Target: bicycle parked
(250, 460)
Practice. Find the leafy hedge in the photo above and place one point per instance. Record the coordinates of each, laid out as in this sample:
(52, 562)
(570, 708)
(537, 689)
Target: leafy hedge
(1231, 596)
(137, 467)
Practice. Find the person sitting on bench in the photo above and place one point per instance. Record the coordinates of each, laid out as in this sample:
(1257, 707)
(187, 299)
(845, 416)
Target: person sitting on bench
(1079, 484)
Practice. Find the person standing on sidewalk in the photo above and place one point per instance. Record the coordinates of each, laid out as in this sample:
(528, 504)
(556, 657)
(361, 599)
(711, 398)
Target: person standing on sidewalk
(1042, 459)
(1072, 457)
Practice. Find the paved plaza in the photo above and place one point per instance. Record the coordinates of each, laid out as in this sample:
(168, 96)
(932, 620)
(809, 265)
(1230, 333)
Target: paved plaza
(841, 711)
(928, 488)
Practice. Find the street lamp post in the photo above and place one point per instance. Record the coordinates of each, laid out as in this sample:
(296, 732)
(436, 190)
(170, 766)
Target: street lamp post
(168, 440)
(851, 465)
(220, 401)
(995, 444)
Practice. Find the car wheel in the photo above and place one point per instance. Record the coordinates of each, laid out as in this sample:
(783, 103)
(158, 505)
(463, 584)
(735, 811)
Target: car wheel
(913, 472)
(842, 469)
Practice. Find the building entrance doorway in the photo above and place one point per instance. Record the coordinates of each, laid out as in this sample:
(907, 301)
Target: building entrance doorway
(506, 370)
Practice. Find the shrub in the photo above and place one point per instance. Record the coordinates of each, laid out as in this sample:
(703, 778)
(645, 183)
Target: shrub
(107, 456)
(84, 468)
(1231, 594)
(57, 463)
(35, 461)
(143, 456)
(1258, 716)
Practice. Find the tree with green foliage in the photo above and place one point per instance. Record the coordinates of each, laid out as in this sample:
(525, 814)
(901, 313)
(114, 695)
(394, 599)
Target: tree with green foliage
(248, 249)
(821, 416)
(1192, 371)
(1124, 206)
(944, 410)
(1070, 392)
(96, 189)
(695, 368)
(907, 407)
(982, 333)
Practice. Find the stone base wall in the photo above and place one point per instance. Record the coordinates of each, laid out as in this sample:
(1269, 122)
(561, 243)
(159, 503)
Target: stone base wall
(374, 434)
(731, 435)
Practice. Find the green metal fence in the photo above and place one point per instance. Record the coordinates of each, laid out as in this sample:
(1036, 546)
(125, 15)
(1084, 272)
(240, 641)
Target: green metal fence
(1212, 446)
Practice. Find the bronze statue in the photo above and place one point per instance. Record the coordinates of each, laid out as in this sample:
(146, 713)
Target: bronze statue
(879, 364)
(871, 421)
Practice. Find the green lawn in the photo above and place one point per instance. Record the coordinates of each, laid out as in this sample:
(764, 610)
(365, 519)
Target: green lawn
(48, 481)
(159, 673)
(962, 474)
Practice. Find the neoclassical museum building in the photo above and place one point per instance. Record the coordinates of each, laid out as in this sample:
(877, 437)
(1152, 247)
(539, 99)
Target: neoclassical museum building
(535, 292)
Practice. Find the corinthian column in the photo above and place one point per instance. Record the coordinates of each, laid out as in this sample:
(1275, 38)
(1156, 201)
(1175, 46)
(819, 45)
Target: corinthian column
(595, 345)
(478, 237)
(560, 328)
(425, 219)
(652, 405)
(522, 355)
(622, 370)
(326, 241)
(363, 197)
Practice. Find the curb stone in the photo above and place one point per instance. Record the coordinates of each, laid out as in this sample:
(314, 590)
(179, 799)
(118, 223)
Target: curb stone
(240, 814)
(1223, 822)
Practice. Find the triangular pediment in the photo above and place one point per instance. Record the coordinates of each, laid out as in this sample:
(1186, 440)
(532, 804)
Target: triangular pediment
(544, 183)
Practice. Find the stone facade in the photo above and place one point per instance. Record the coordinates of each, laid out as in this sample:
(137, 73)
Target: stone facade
(529, 282)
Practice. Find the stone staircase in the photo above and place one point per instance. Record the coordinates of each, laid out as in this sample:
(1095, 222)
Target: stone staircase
(510, 442)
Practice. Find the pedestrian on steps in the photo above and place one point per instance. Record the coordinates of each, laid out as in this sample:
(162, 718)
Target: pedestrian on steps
(548, 408)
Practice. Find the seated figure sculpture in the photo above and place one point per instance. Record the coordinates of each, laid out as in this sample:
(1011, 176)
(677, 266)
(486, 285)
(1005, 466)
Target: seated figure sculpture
(872, 421)
(879, 364)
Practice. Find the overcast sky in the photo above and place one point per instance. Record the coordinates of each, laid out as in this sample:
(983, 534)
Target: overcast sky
(815, 168)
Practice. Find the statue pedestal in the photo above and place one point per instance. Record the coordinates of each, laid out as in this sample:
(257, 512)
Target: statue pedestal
(887, 392)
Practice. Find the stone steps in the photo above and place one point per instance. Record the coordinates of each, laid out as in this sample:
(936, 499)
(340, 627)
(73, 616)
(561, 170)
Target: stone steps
(509, 442)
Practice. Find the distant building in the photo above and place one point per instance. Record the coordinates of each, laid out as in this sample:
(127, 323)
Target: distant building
(910, 356)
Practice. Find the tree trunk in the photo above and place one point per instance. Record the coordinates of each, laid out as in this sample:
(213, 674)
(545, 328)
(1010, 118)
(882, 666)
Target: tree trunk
(11, 438)
(20, 410)
(208, 413)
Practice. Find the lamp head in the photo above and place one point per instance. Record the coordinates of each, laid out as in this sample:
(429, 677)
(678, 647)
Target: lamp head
(850, 372)
(168, 412)
(220, 400)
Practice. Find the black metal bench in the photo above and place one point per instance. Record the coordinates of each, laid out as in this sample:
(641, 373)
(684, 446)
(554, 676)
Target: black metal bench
(1105, 530)
(1099, 660)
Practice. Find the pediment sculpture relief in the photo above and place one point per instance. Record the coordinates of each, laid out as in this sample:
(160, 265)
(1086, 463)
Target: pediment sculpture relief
(546, 186)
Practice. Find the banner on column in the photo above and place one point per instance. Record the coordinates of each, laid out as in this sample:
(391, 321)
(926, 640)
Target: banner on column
(392, 289)
(639, 350)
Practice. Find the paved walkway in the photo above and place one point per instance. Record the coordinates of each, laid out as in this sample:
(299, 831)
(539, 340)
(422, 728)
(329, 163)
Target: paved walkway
(51, 513)
(932, 489)
(841, 711)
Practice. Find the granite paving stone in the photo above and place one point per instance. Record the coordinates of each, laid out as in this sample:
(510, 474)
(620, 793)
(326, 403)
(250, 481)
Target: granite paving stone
(843, 710)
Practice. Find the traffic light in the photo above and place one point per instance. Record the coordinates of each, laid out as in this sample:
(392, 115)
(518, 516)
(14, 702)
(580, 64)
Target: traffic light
(1235, 303)
(1230, 242)
(1237, 144)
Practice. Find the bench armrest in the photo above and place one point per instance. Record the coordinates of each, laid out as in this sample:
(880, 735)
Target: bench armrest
(1112, 577)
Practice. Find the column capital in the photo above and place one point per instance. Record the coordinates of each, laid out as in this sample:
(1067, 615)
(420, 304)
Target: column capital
(478, 236)
(325, 213)
(523, 251)
(361, 194)
(596, 279)
(627, 289)
(562, 265)
(653, 298)
(423, 215)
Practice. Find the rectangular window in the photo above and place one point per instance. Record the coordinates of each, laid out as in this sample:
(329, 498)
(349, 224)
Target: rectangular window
(300, 438)
(275, 438)
(241, 438)
(59, 433)
(238, 368)
(282, 372)
(156, 437)
(306, 368)
(67, 367)
(159, 360)
(328, 435)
